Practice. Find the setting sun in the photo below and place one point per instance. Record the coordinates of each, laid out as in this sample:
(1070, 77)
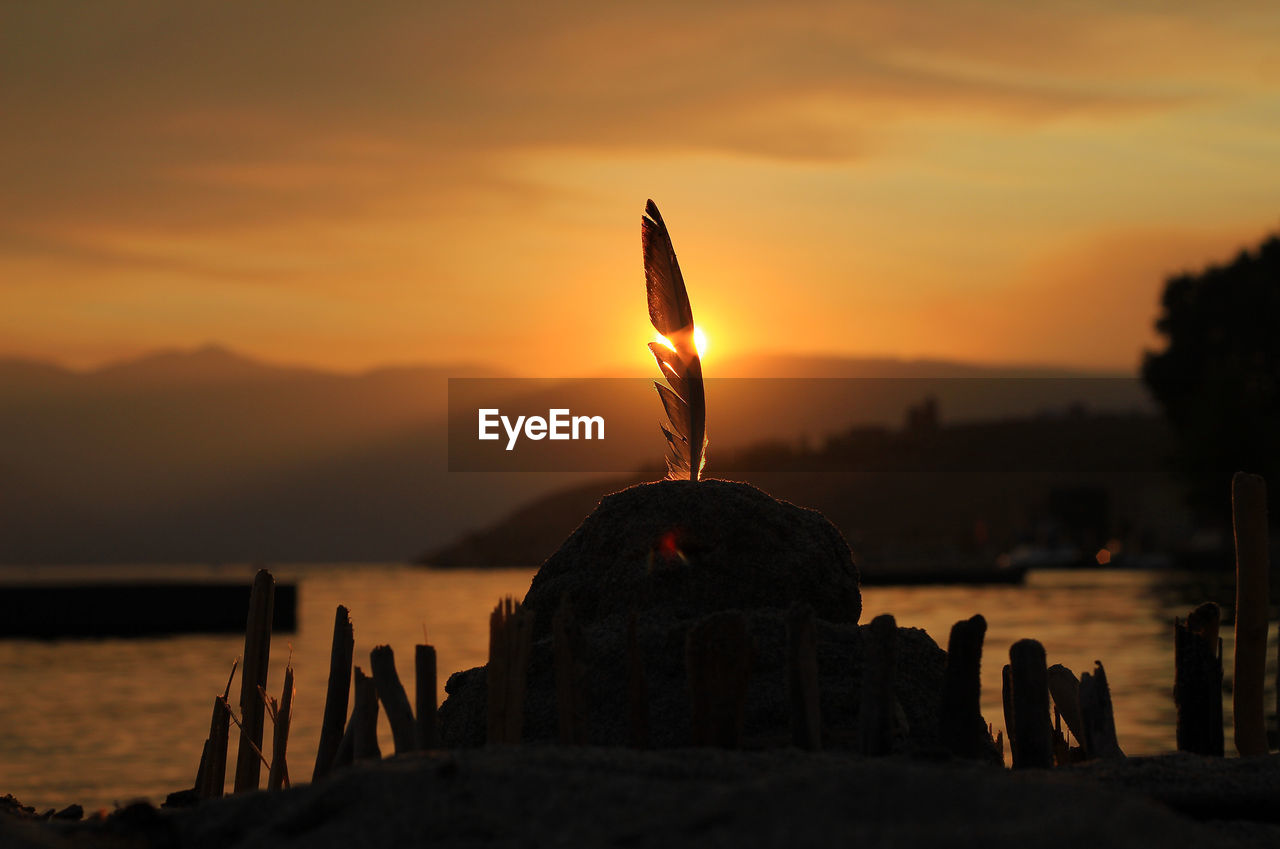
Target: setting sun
(699, 341)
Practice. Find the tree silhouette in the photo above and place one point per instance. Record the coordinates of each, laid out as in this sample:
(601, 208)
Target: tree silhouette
(1218, 378)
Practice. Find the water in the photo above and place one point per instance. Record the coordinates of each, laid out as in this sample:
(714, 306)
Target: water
(107, 721)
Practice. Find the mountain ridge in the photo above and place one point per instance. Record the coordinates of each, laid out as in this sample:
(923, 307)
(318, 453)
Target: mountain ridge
(209, 455)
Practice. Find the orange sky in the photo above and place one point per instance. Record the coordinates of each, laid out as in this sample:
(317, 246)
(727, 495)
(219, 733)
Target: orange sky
(353, 184)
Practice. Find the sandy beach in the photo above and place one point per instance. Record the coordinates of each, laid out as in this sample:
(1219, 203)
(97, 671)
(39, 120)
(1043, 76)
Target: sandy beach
(584, 796)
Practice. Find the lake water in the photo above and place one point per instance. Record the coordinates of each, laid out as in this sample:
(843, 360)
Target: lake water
(101, 722)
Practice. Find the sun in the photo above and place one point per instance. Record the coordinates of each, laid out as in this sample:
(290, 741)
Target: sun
(700, 343)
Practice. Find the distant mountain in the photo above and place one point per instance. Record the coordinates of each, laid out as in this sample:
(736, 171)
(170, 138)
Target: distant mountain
(208, 365)
(207, 455)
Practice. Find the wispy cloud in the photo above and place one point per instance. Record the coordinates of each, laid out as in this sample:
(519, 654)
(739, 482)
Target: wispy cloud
(352, 151)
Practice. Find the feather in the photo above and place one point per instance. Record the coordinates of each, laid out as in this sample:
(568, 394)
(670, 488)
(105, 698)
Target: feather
(672, 316)
(669, 365)
(677, 411)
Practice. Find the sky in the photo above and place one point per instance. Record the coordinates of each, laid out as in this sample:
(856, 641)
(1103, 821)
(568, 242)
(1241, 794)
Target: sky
(353, 184)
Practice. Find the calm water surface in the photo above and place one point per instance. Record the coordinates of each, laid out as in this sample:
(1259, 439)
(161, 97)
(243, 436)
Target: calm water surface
(107, 721)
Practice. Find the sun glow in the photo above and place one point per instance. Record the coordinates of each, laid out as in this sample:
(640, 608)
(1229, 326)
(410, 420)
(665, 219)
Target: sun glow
(699, 341)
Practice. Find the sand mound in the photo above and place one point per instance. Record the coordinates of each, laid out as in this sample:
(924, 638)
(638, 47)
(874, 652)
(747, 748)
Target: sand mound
(672, 553)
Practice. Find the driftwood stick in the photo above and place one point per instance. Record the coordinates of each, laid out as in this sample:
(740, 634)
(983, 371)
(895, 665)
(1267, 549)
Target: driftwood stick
(1064, 687)
(1058, 740)
(1249, 515)
(878, 712)
(337, 695)
(1006, 697)
(520, 634)
(1197, 686)
(364, 719)
(1032, 740)
(277, 777)
(802, 677)
(257, 654)
(214, 776)
(261, 757)
(718, 665)
(960, 724)
(202, 770)
(211, 777)
(510, 641)
(1206, 622)
(637, 690)
(568, 649)
(424, 677)
(404, 731)
(1099, 719)
(496, 671)
(346, 751)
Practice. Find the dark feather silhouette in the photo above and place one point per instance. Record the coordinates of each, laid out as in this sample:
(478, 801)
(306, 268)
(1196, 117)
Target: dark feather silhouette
(672, 316)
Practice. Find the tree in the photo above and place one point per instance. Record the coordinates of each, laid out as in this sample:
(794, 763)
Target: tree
(1218, 378)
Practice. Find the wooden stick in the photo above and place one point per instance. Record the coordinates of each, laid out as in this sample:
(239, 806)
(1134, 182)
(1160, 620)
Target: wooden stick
(1249, 515)
(1197, 686)
(802, 677)
(510, 641)
(496, 671)
(424, 677)
(1006, 696)
(337, 695)
(346, 752)
(364, 719)
(1099, 719)
(211, 777)
(1032, 740)
(960, 726)
(257, 654)
(878, 711)
(1058, 740)
(718, 665)
(277, 777)
(404, 731)
(1064, 687)
(1206, 622)
(261, 757)
(203, 769)
(637, 689)
(215, 774)
(520, 634)
(568, 649)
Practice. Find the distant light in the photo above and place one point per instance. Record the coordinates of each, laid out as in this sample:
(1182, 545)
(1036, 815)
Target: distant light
(1103, 557)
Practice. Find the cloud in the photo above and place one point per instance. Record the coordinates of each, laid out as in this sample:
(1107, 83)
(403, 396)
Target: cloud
(349, 153)
(116, 107)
